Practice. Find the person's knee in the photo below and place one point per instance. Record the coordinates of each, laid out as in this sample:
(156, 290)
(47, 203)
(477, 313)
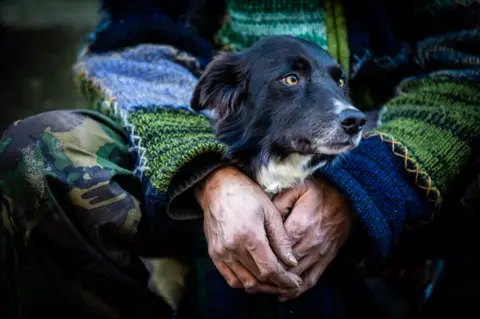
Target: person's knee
(26, 142)
(58, 138)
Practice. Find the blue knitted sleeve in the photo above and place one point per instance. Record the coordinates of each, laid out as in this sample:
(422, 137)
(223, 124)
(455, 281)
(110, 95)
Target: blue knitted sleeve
(380, 191)
(401, 173)
(140, 67)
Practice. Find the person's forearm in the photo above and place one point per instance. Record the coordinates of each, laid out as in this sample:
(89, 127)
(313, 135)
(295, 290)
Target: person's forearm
(400, 174)
(139, 71)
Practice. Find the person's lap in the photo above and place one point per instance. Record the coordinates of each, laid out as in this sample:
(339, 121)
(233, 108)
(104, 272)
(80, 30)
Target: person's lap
(340, 293)
(67, 196)
(69, 203)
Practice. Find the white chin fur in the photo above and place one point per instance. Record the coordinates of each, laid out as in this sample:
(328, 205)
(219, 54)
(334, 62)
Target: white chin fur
(279, 175)
(335, 151)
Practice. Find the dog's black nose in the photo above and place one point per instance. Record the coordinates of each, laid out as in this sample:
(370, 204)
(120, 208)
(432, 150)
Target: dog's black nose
(352, 121)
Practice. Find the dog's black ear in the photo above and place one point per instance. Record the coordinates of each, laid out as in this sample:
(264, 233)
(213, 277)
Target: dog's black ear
(222, 86)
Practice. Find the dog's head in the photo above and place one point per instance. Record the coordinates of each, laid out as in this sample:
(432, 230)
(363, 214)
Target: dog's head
(282, 96)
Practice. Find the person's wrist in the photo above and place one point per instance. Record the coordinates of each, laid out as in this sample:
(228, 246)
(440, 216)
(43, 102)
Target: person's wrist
(333, 196)
(211, 182)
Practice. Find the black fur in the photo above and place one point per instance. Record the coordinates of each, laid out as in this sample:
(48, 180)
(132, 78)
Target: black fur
(259, 116)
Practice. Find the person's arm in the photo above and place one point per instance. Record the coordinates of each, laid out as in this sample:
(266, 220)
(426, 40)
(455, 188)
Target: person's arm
(146, 86)
(400, 174)
(140, 67)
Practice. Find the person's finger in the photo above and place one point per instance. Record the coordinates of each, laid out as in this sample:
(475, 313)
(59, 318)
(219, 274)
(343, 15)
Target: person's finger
(278, 238)
(300, 222)
(247, 272)
(247, 260)
(265, 289)
(304, 246)
(285, 201)
(291, 294)
(316, 271)
(228, 275)
(305, 263)
(270, 270)
(310, 279)
(247, 279)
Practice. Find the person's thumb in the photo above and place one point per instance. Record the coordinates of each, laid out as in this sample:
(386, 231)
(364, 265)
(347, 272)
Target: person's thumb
(278, 238)
(285, 201)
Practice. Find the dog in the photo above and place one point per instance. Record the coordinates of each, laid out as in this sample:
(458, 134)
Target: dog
(281, 107)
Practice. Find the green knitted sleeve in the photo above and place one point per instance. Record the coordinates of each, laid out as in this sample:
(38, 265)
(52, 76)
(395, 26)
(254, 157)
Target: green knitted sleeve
(396, 179)
(181, 150)
(432, 123)
(147, 89)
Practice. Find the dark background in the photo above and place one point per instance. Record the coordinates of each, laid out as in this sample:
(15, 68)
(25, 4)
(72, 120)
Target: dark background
(39, 41)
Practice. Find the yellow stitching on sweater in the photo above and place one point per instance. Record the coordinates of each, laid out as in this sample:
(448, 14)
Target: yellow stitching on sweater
(410, 160)
(436, 199)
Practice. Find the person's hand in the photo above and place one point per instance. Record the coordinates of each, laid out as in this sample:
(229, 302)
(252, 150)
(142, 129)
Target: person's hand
(242, 226)
(318, 225)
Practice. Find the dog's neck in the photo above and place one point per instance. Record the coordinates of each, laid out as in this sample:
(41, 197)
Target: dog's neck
(279, 174)
(274, 173)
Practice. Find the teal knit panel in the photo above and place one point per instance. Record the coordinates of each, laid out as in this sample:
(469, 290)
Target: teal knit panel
(249, 21)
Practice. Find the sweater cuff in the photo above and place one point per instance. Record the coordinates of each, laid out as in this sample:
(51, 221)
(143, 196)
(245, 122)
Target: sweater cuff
(182, 203)
(381, 192)
(180, 150)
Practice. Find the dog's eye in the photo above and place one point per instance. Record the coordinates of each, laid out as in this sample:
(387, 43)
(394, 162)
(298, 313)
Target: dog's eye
(341, 83)
(291, 79)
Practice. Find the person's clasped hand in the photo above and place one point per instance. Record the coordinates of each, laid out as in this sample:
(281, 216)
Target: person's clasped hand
(318, 225)
(246, 237)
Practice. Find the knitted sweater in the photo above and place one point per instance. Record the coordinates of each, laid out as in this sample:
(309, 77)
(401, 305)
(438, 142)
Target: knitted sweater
(142, 64)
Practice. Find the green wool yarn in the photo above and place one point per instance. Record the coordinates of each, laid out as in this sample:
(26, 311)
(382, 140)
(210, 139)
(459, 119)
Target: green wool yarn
(320, 22)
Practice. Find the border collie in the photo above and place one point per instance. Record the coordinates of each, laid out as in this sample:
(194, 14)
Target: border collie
(282, 108)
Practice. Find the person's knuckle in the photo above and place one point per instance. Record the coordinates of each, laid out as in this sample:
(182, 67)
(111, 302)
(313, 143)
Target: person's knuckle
(319, 237)
(308, 222)
(230, 243)
(252, 244)
(250, 284)
(244, 235)
(298, 227)
(266, 273)
(218, 252)
(296, 236)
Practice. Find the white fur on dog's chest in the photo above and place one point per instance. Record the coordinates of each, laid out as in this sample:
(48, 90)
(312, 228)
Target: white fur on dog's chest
(278, 175)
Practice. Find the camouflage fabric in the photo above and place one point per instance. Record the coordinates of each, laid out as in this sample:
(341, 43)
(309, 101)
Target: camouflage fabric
(73, 225)
(69, 221)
